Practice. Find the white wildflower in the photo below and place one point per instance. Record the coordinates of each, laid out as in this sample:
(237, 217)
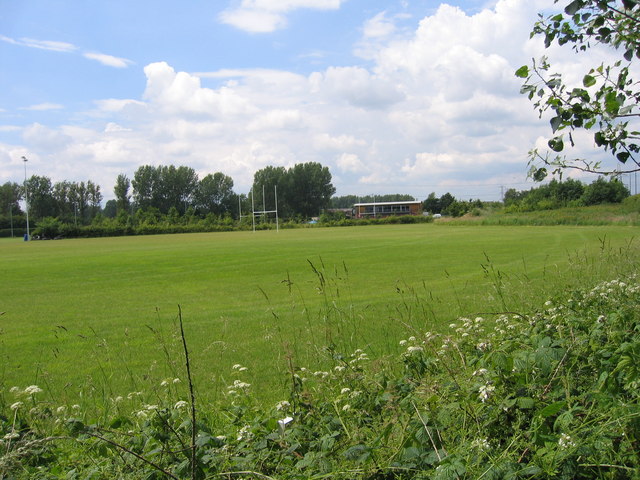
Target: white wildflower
(180, 404)
(282, 405)
(14, 389)
(480, 371)
(244, 433)
(164, 383)
(176, 380)
(60, 410)
(11, 436)
(485, 391)
(339, 368)
(481, 443)
(403, 343)
(412, 339)
(118, 399)
(32, 390)
(16, 405)
(345, 390)
(236, 366)
(414, 349)
(565, 441)
(346, 407)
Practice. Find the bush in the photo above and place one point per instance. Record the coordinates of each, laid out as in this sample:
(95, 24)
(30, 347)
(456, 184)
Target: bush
(48, 227)
(602, 191)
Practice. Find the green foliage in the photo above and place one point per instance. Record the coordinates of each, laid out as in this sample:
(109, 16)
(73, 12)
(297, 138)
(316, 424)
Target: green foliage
(347, 201)
(48, 227)
(303, 190)
(602, 191)
(608, 100)
(565, 193)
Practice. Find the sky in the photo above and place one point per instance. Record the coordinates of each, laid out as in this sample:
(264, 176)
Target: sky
(394, 96)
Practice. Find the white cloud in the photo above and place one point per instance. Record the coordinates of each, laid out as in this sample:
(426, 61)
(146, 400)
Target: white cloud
(325, 141)
(44, 139)
(378, 26)
(117, 105)
(108, 60)
(182, 93)
(356, 86)
(349, 162)
(254, 21)
(54, 46)
(277, 120)
(41, 107)
(65, 47)
(265, 16)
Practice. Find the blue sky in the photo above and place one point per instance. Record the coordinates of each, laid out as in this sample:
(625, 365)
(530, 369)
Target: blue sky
(406, 96)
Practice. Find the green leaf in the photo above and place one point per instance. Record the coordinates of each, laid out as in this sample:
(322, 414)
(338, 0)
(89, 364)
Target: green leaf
(589, 81)
(611, 103)
(555, 123)
(540, 174)
(623, 157)
(525, 402)
(523, 71)
(573, 7)
(628, 55)
(600, 139)
(556, 144)
(552, 409)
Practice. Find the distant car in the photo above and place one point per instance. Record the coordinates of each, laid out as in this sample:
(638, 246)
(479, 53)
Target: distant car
(436, 215)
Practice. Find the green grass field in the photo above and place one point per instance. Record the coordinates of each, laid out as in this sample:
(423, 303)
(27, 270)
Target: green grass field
(95, 314)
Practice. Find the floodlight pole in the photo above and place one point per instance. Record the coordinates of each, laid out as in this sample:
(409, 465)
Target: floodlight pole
(275, 191)
(26, 195)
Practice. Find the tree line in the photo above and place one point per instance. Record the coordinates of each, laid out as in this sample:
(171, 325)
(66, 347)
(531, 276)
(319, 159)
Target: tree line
(164, 194)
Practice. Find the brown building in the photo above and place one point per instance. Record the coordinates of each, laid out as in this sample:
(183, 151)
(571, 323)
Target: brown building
(386, 209)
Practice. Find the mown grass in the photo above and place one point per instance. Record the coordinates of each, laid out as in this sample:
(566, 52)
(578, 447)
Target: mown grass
(544, 383)
(96, 317)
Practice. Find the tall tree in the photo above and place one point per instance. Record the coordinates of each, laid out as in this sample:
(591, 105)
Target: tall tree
(10, 196)
(146, 181)
(164, 187)
(94, 197)
(269, 180)
(121, 191)
(40, 197)
(309, 188)
(177, 188)
(606, 102)
(215, 194)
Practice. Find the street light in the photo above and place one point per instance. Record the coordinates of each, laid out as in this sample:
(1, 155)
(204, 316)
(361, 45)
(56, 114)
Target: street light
(26, 195)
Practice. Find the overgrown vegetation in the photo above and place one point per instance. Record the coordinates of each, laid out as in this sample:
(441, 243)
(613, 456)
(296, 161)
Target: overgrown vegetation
(567, 193)
(542, 388)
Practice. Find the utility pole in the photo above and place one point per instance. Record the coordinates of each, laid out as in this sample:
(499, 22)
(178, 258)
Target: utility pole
(26, 197)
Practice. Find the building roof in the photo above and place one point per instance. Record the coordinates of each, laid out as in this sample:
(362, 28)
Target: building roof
(408, 202)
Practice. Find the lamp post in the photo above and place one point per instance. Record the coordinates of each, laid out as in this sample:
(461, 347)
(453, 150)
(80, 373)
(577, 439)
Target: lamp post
(26, 196)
